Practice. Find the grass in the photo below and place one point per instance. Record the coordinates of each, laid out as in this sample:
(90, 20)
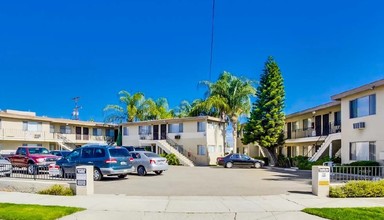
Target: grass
(347, 213)
(9, 211)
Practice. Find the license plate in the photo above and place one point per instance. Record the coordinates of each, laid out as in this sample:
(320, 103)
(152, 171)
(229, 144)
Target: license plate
(123, 163)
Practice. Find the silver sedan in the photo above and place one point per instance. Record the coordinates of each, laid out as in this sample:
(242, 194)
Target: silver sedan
(5, 167)
(145, 161)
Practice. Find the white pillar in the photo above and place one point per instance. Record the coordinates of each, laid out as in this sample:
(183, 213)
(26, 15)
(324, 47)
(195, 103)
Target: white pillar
(84, 180)
(330, 150)
(320, 180)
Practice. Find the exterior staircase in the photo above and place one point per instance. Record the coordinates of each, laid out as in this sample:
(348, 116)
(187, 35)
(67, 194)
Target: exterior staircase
(324, 147)
(169, 149)
(63, 141)
(60, 142)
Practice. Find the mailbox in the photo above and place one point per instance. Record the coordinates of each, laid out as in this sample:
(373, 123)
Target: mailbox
(320, 180)
(84, 180)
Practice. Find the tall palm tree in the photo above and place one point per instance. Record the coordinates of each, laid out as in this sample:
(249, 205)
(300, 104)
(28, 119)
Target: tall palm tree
(132, 109)
(229, 97)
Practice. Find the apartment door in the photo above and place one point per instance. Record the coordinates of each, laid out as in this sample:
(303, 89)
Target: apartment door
(78, 133)
(163, 131)
(318, 125)
(156, 132)
(289, 130)
(326, 124)
(85, 133)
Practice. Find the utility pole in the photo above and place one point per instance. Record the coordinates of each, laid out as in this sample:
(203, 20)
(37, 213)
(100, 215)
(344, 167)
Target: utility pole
(75, 112)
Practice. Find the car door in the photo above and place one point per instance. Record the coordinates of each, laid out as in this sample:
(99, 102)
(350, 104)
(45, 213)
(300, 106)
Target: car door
(70, 161)
(87, 156)
(246, 160)
(137, 160)
(235, 158)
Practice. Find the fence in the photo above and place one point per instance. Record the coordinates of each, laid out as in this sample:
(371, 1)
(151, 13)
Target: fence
(35, 172)
(348, 173)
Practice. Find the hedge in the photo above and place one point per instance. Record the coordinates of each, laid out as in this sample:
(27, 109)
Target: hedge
(360, 188)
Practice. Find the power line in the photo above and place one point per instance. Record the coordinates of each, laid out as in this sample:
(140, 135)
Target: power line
(212, 35)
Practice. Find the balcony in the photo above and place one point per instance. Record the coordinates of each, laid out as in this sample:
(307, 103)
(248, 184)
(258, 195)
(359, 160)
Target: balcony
(311, 132)
(45, 136)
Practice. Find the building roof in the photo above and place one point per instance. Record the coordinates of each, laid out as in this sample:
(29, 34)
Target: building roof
(175, 120)
(362, 88)
(32, 116)
(316, 108)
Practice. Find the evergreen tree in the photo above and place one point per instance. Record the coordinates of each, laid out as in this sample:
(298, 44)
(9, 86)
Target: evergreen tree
(266, 123)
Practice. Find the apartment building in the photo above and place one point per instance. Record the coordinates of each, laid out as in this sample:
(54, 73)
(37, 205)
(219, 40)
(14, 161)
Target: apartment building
(21, 128)
(362, 115)
(194, 140)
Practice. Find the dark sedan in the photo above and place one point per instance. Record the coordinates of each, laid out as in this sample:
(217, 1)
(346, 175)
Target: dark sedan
(239, 160)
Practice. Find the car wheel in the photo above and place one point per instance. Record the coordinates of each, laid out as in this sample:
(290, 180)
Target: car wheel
(97, 175)
(158, 172)
(141, 171)
(257, 165)
(31, 169)
(229, 165)
(122, 176)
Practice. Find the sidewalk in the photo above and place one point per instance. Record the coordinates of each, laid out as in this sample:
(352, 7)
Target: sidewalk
(111, 207)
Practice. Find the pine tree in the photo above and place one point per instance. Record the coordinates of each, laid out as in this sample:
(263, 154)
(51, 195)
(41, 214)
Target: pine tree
(266, 123)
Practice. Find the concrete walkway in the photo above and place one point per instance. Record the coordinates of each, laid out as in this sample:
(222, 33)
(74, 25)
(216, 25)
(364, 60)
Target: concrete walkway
(177, 207)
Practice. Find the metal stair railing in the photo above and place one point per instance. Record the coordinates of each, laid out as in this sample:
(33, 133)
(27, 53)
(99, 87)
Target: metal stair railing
(180, 149)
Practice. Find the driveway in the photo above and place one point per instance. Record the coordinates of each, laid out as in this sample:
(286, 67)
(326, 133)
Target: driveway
(209, 181)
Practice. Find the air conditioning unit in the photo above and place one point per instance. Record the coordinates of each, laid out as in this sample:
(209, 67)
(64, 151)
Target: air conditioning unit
(177, 136)
(142, 137)
(359, 125)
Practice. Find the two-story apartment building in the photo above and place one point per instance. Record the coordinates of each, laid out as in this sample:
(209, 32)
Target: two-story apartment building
(362, 115)
(194, 140)
(20, 128)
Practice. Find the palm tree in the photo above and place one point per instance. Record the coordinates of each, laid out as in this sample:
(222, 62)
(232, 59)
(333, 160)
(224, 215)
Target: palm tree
(229, 97)
(157, 109)
(131, 111)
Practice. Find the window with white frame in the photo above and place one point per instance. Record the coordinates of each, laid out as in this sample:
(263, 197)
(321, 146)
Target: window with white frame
(295, 126)
(201, 126)
(145, 130)
(175, 128)
(110, 132)
(306, 124)
(362, 150)
(201, 150)
(65, 129)
(96, 132)
(32, 126)
(125, 131)
(0, 123)
(362, 106)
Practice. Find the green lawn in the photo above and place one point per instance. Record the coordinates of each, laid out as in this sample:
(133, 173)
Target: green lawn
(347, 213)
(9, 211)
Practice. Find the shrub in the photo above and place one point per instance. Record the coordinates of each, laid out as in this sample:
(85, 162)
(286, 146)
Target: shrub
(283, 161)
(358, 189)
(364, 163)
(58, 190)
(171, 159)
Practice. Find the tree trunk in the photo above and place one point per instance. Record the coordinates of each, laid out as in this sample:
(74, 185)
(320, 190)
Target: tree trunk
(234, 133)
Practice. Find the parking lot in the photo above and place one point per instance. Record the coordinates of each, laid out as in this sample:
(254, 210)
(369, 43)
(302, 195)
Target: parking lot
(209, 181)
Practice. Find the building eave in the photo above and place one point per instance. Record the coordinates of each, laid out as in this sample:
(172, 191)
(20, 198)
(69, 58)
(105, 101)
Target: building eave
(369, 86)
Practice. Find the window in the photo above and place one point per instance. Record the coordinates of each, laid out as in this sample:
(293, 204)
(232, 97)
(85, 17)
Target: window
(362, 151)
(201, 126)
(175, 128)
(87, 153)
(96, 132)
(119, 152)
(295, 126)
(235, 156)
(362, 106)
(65, 129)
(51, 128)
(74, 155)
(110, 132)
(201, 150)
(125, 131)
(0, 123)
(31, 126)
(211, 148)
(145, 130)
(305, 124)
(337, 121)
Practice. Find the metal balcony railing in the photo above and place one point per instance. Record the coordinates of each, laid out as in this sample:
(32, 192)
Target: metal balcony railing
(311, 132)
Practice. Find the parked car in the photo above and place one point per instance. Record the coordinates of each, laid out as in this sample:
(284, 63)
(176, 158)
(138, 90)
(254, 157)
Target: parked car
(5, 167)
(131, 148)
(107, 161)
(239, 160)
(146, 161)
(31, 157)
(60, 153)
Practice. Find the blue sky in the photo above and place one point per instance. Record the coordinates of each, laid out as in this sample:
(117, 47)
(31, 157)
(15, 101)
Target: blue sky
(52, 51)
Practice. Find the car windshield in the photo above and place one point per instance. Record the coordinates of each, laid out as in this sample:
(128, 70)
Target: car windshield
(38, 150)
(65, 153)
(119, 152)
(151, 155)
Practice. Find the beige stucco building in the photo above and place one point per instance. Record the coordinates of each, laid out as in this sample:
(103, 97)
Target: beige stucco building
(194, 140)
(20, 128)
